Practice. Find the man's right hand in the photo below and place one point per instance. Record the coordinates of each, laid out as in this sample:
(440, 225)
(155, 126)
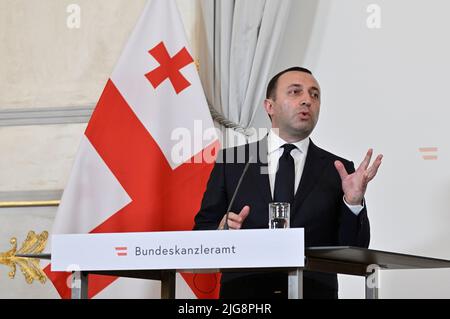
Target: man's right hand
(235, 220)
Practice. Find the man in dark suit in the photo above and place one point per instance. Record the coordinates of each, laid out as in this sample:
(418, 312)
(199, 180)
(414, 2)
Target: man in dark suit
(325, 192)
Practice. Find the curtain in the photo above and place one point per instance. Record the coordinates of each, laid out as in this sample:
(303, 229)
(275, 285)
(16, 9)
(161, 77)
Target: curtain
(238, 45)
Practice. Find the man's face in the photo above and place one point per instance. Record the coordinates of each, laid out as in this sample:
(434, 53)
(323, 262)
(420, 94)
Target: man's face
(296, 106)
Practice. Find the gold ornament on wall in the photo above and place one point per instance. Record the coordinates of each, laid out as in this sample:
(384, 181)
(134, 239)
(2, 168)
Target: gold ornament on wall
(30, 268)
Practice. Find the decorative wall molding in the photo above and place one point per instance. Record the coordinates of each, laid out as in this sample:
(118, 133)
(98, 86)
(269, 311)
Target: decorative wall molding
(45, 116)
(30, 198)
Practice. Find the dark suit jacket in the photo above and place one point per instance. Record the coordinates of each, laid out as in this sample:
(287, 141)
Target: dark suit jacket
(318, 208)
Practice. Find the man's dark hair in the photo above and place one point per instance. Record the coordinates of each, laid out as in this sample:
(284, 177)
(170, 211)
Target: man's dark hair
(272, 86)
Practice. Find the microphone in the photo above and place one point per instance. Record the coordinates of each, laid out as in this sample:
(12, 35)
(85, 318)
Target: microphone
(225, 226)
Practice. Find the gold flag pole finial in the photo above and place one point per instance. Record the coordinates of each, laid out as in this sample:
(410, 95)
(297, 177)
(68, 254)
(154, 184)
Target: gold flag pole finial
(33, 244)
(197, 65)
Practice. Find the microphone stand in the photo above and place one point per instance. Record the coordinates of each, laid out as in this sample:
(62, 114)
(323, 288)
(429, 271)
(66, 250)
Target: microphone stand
(226, 226)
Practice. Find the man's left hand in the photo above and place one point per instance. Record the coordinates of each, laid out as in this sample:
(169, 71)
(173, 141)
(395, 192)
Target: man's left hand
(354, 185)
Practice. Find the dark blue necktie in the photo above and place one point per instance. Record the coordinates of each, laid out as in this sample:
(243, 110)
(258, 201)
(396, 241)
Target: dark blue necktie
(285, 177)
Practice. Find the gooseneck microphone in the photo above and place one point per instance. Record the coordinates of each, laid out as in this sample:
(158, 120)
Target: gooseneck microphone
(225, 226)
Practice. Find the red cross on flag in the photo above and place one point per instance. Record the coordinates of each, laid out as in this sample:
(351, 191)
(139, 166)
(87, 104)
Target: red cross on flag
(148, 150)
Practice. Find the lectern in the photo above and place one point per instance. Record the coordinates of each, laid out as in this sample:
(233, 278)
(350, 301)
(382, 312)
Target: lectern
(160, 255)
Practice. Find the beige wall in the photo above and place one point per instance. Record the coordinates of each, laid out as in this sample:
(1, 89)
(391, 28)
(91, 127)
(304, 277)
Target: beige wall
(38, 158)
(44, 63)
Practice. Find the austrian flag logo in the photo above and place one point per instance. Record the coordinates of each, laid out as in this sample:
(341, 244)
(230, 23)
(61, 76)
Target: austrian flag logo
(121, 251)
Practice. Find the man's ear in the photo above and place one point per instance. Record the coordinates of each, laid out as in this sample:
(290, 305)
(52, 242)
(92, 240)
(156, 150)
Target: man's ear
(268, 105)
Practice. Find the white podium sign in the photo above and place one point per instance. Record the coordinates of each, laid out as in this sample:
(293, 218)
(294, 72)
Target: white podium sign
(182, 250)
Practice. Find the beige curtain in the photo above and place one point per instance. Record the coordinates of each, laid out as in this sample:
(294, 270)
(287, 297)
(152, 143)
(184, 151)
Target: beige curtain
(240, 43)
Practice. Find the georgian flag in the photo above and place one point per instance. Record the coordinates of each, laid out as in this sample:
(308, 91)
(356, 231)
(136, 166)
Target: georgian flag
(148, 150)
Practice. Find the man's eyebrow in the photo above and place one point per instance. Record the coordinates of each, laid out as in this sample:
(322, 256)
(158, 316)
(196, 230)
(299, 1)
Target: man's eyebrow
(300, 86)
(296, 85)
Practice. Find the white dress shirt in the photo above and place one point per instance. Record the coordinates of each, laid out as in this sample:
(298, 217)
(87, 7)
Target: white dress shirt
(275, 150)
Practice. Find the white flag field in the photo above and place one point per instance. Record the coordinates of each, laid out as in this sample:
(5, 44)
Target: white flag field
(148, 150)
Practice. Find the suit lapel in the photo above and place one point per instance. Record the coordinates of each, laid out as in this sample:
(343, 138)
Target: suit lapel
(315, 162)
(259, 170)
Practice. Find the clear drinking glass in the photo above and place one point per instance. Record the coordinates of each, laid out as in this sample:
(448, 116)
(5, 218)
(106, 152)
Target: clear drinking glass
(279, 215)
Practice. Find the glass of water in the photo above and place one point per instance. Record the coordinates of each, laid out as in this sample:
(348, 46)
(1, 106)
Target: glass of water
(279, 215)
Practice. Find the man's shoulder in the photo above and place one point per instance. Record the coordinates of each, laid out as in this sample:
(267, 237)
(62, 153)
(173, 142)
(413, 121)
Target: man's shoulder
(258, 143)
(243, 153)
(328, 155)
